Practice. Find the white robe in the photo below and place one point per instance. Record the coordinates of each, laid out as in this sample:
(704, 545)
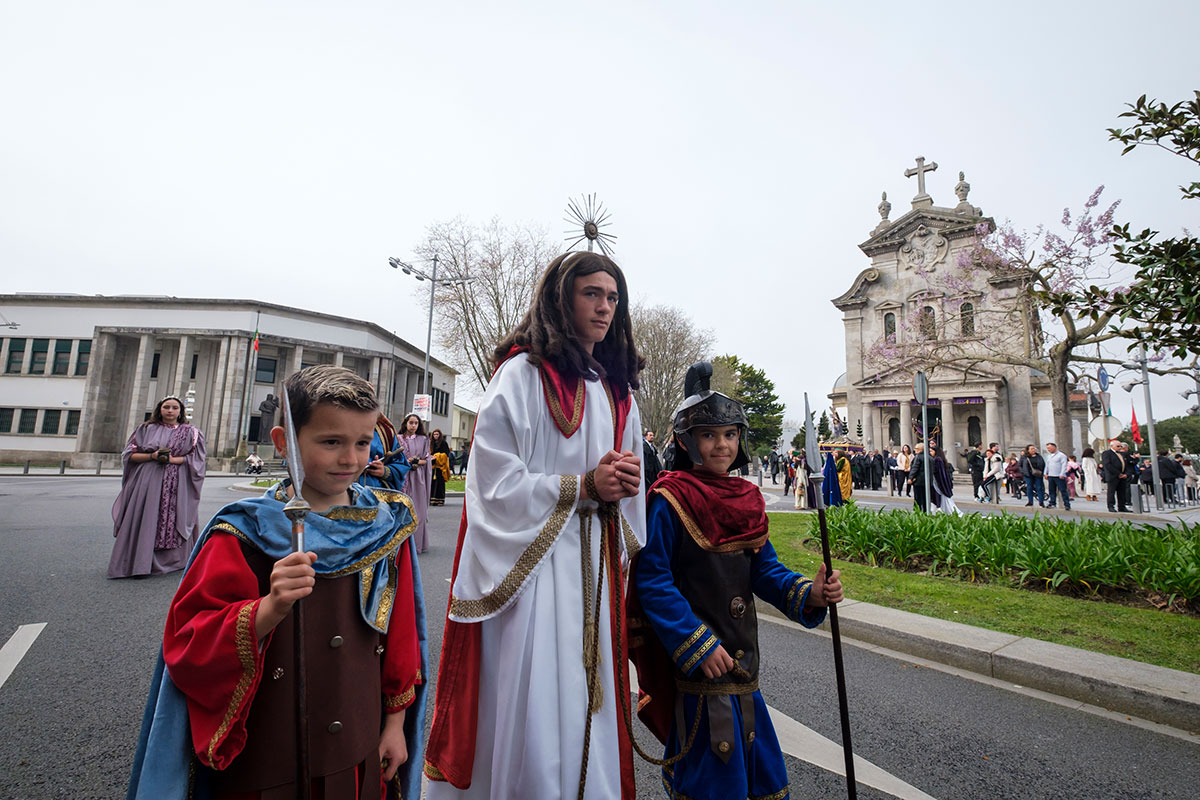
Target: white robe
(519, 577)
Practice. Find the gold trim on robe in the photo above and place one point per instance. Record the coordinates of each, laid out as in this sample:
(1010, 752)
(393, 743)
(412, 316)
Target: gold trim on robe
(492, 602)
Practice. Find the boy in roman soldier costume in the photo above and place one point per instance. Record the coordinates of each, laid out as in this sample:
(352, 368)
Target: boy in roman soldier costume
(533, 671)
(221, 718)
(706, 556)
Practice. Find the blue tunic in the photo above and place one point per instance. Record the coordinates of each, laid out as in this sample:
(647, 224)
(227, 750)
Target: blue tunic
(756, 768)
(393, 478)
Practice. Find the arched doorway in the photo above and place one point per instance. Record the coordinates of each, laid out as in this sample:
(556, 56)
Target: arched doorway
(934, 414)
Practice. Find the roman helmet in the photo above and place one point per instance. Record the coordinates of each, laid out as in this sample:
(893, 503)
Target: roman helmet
(703, 407)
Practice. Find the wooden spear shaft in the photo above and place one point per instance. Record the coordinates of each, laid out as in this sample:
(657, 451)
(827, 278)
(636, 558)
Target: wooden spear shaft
(843, 704)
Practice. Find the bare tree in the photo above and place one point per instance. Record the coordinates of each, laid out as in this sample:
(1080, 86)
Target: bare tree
(504, 263)
(671, 343)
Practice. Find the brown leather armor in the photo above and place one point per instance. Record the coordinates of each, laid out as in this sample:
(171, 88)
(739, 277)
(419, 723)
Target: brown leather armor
(344, 690)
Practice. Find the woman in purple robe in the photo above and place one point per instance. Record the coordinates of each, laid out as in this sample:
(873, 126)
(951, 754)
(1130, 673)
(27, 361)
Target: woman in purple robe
(155, 516)
(415, 444)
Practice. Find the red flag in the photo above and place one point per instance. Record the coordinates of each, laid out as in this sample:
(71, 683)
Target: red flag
(255, 342)
(1136, 433)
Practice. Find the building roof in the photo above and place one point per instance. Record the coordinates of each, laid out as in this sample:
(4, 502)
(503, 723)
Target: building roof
(233, 304)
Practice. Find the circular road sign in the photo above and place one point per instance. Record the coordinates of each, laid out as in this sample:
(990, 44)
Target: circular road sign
(920, 388)
(1102, 377)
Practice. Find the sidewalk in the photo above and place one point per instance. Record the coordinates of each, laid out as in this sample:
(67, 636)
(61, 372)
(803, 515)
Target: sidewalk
(9, 471)
(1157, 694)
(1091, 509)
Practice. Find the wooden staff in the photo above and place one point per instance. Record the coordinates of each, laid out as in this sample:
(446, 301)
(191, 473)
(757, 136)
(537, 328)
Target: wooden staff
(813, 453)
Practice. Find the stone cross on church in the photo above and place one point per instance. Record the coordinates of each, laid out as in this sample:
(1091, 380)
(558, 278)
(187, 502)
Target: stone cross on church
(919, 170)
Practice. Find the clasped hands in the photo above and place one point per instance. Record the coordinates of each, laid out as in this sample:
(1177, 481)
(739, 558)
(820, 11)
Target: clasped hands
(618, 475)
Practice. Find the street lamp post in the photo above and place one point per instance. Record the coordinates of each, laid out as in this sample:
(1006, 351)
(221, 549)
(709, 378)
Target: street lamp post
(1139, 361)
(432, 277)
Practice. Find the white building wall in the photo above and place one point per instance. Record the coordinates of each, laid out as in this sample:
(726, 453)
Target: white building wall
(213, 329)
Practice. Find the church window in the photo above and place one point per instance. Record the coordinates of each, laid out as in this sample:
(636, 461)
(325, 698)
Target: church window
(927, 323)
(889, 327)
(967, 316)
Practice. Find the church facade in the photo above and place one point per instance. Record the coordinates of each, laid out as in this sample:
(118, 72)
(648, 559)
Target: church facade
(922, 304)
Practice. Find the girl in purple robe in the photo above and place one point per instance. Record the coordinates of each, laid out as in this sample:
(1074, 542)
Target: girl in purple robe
(155, 516)
(416, 450)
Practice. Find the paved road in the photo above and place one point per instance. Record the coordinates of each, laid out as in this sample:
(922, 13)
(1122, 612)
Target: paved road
(70, 709)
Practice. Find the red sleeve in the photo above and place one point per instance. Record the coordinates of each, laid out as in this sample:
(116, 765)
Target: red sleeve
(402, 651)
(211, 651)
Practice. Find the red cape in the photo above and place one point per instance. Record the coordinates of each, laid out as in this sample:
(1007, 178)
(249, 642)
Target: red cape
(450, 753)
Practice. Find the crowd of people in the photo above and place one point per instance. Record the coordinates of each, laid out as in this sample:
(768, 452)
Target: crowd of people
(1048, 478)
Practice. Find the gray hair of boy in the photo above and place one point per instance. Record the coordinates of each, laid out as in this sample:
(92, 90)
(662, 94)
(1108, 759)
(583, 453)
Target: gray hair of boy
(325, 383)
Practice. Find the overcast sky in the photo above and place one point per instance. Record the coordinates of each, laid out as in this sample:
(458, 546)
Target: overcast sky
(282, 151)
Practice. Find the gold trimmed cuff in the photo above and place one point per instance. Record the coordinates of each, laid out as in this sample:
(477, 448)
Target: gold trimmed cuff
(433, 773)
(709, 644)
(691, 640)
(399, 702)
(797, 595)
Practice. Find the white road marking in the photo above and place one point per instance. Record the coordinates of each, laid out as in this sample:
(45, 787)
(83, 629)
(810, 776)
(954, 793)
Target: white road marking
(16, 648)
(807, 745)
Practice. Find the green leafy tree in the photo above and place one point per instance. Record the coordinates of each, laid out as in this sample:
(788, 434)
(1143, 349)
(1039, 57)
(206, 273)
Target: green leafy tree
(1160, 308)
(798, 440)
(756, 393)
(1165, 431)
(860, 430)
(823, 429)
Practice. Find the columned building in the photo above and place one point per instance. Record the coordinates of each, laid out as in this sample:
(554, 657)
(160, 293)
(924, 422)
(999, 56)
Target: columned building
(916, 302)
(79, 373)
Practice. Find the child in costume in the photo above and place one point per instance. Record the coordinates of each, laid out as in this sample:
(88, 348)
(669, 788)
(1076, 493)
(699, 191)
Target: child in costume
(382, 472)
(221, 719)
(706, 556)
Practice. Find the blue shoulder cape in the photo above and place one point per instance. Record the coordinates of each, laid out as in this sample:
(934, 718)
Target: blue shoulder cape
(358, 538)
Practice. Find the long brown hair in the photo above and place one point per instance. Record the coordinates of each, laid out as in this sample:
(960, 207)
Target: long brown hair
(548, 331)
(420, 426)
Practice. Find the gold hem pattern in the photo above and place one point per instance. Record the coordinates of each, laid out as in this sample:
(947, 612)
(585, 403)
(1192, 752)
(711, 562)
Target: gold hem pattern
(490, 603)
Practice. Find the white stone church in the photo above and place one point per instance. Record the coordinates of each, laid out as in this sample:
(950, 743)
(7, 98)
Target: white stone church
(913, 293)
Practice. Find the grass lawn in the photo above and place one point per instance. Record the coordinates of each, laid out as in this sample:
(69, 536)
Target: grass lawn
(1155, 637)
(456, 483)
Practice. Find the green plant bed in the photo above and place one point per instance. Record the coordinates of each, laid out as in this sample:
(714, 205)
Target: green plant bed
(265, 482)
(1143, 634)
(456, 484)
